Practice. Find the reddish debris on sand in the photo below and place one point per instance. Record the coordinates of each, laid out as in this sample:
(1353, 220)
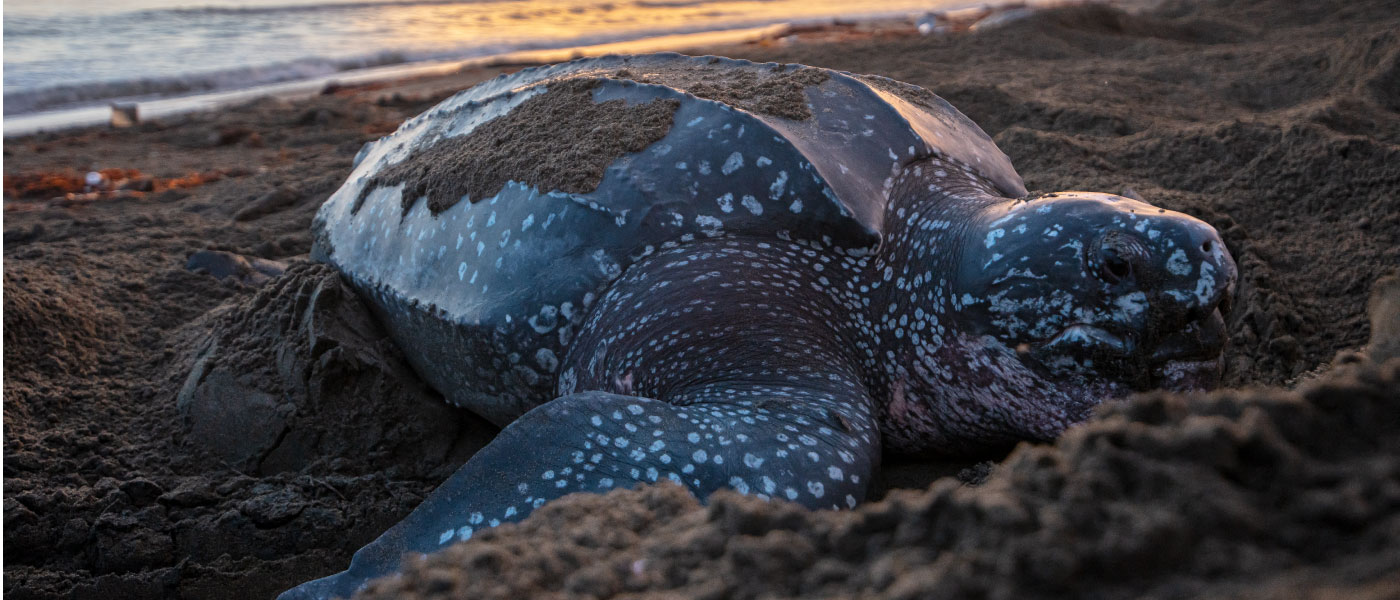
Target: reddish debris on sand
(102, 184)
(191, 180)
(42, 185)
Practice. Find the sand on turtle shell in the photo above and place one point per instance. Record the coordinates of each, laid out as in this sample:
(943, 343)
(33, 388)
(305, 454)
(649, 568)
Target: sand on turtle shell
(1276, 121)
(779, 91)
(558, 140)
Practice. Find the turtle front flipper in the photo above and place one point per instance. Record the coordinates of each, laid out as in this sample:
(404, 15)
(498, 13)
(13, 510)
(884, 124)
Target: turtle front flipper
(596, 441)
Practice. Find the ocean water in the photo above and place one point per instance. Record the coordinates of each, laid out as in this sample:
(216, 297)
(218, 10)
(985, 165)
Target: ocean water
(66, 53)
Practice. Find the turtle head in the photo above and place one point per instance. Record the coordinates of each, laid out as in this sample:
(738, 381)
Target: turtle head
(1098, 292)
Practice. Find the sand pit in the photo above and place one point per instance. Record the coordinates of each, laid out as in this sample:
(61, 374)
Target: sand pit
(1276, 123)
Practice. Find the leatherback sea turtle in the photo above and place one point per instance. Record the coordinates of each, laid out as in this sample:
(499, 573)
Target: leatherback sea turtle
(744, 276)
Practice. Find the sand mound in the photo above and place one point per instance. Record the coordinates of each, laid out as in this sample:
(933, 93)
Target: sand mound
(1092, 23)
(300, 430)
(301, 373)
(51, 324)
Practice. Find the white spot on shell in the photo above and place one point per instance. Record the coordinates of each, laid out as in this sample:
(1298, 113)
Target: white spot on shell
(775, 191)
(733, 163)
(752, 204)
(726, 203)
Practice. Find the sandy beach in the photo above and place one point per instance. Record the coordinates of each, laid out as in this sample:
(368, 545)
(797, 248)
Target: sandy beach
(1277, 122)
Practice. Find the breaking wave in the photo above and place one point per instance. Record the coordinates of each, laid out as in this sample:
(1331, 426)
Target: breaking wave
(72, 94)
(62, 54)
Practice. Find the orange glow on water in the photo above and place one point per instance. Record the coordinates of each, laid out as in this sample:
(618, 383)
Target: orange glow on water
(146, 49)
(546, 22)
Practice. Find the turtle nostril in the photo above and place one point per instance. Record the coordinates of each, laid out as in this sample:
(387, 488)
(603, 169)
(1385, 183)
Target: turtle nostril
(1206, 246)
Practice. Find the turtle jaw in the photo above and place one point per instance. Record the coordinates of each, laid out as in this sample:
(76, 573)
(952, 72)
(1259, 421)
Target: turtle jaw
(1189, 357)
(1090, 340)
(1083, 351)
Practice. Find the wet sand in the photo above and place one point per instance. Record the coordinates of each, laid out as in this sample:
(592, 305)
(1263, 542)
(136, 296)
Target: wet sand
(1279, 124)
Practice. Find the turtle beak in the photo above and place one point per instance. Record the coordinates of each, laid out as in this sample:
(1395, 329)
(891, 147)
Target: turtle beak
(1202, 339)
(1192, 358)
(1196, 287)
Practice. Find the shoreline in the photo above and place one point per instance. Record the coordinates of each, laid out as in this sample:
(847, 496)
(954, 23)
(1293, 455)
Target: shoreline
(958, 16)
(155, 108)
(86, 116)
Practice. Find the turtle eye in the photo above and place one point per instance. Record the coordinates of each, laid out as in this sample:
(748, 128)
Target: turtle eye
(1113, 257)
(1117, 267)
(1113, 266)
